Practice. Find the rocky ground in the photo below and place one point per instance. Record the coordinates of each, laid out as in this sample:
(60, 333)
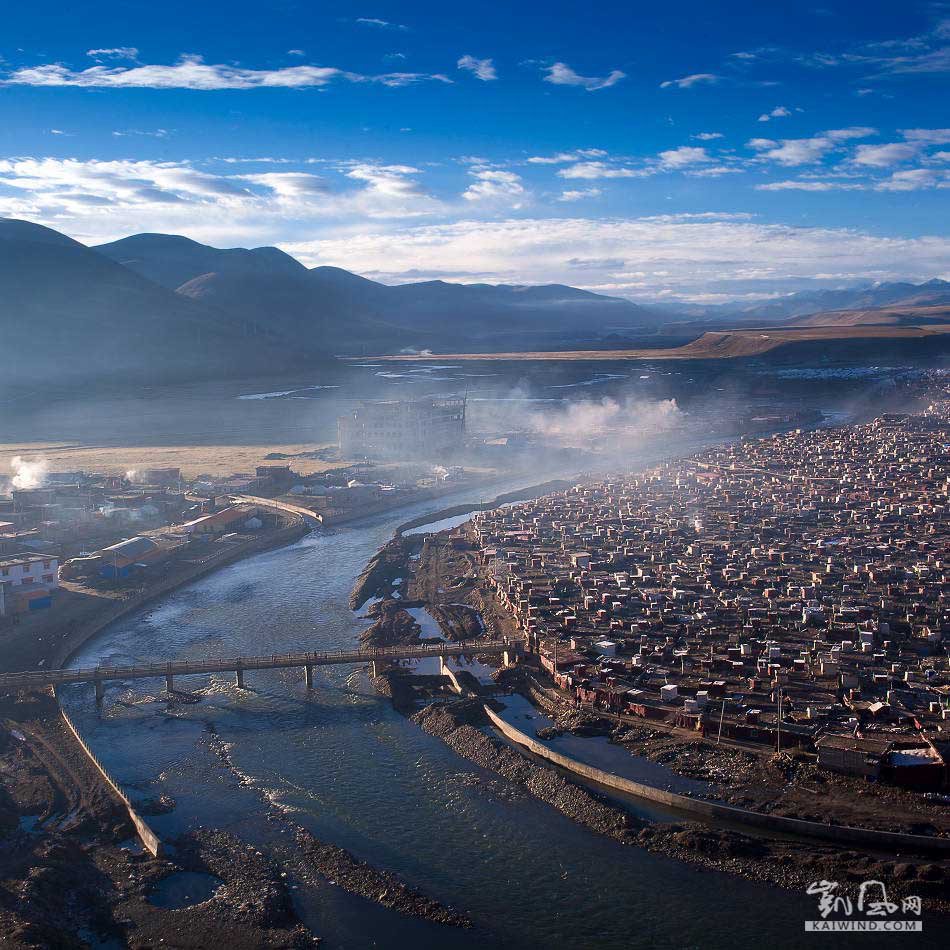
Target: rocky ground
(73, 874)
(392, 625)
(456, 724)
(383, 568)
(339, 866)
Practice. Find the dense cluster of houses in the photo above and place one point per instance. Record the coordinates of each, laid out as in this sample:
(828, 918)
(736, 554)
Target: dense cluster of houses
(790, 590)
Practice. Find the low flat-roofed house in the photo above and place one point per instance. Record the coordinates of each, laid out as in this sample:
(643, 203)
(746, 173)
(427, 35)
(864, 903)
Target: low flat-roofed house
(849, 755)
(218, 523)
(120, 560)
(921, 768)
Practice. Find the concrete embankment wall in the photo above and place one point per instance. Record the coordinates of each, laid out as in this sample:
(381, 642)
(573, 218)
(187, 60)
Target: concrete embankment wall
(840, 834)
(82, 636)
(453, 679)
(148, 837)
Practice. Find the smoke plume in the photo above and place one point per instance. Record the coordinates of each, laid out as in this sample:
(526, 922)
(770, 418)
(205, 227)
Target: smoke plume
(28, 474)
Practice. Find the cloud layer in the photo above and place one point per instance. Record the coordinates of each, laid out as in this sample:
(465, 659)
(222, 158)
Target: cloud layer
(191, 72)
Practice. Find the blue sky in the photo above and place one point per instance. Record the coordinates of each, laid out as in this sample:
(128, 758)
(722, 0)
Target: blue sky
(704, 151)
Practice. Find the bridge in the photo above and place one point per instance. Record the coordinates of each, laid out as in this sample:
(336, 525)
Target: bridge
(377, 657)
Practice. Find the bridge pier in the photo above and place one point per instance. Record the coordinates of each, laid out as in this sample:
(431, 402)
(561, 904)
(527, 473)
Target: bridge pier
(100, 692)
(169, 684)
(308, 676)
(239, 679)
(378, 667)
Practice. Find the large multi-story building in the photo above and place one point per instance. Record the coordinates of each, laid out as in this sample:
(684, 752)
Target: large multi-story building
(403, 428)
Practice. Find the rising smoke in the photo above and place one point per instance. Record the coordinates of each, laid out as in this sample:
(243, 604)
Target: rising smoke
(613, 433)
(28, 473)
(595, 421)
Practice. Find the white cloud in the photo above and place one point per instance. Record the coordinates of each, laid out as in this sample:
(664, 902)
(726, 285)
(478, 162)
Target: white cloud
(779, 112)
(496, 186)
(683, 157)
(290, 184)
(915, 179)
(484, 69)
(852, 132)
(687, 82)
(882, 156)
(708, 136)
(117, 52)
(562, 75)
(148, 133)
(191, 72)
(104, 199)
(592, 170)
(714, 171)
(562, 157)
(380, 24)
(662, 255)
(927, 136)
(810, 184)
(579, 194)
(790, 152)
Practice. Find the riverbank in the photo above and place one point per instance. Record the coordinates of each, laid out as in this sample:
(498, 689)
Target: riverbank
(442, 575)
(780, 861)
(50, 638)
(73, 874)
(68, 838)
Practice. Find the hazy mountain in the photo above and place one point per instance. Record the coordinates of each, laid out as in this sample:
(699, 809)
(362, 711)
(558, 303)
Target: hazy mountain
(266, 288)
(69, 312)
(172, 260)
(158, 306)
(864, 297)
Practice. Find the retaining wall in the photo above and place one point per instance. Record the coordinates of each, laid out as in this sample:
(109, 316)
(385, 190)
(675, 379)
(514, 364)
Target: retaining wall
(840, 834)
(149, 839)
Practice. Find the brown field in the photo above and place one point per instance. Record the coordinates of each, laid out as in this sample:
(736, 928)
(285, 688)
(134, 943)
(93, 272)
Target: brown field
(917, 316)
(191, 459)
(713, 345)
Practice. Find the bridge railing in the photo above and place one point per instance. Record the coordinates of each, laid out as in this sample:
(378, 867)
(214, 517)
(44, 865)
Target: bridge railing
(276, 660)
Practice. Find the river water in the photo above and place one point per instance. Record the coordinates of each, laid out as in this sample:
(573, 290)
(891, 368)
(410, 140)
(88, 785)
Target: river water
(342, 763)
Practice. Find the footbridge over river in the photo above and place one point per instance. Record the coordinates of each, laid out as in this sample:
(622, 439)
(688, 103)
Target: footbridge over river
(378, 657)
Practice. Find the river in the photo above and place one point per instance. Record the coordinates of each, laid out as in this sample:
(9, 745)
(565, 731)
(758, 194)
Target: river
(342, 763)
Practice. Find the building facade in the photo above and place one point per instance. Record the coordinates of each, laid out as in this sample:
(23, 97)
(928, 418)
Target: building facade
(403, 428)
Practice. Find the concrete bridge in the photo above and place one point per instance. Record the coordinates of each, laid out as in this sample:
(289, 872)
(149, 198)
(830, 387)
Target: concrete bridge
(509, 650)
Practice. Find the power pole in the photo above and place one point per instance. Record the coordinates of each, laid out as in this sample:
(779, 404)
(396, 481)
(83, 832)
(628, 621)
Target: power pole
(778, 721)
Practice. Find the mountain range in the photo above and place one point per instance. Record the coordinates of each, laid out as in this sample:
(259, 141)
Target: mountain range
(865, 297)
(160, 307)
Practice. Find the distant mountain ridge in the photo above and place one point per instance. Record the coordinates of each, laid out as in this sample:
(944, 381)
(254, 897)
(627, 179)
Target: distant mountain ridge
(165, 307)
(265, 284)
(172, 260)
(159, 306)
(871, 296)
